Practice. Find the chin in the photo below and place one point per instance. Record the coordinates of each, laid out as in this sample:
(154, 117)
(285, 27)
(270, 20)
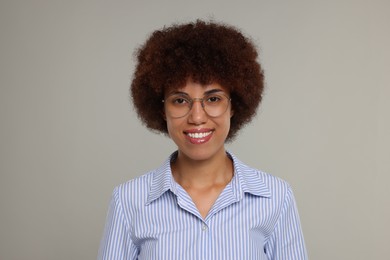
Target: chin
(201, 153)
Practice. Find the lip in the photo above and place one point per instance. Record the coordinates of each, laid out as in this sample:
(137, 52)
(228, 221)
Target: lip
(198, 136)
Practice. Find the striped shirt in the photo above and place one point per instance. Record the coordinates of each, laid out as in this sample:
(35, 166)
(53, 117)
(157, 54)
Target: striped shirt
(153, 217)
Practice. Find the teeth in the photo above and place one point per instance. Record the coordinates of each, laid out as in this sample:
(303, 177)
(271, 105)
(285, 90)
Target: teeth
(199, 135)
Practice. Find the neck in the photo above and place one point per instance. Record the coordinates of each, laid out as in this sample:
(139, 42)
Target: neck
(214, 171)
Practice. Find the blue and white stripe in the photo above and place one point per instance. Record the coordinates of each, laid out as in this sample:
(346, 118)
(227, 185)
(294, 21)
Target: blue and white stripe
(153, 217)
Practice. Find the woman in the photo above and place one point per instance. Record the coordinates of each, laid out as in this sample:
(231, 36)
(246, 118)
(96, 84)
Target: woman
(199, 83)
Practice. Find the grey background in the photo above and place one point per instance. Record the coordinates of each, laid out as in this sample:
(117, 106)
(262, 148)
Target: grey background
(68, 133)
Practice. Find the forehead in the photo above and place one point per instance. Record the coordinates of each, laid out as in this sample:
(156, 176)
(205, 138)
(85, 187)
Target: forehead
(192, 88)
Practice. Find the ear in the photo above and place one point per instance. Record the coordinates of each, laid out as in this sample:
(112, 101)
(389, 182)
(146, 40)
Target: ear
(231, 113)
(163, 115)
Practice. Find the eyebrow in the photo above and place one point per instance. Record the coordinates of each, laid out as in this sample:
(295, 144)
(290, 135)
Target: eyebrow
(208, 92)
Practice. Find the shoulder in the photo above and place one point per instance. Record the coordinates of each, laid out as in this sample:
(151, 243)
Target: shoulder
(280, 190)
(275, 183)
(145, 188)
(137, 182)
(134, 191)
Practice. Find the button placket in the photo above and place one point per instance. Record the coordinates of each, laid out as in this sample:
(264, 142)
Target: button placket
(205, 235)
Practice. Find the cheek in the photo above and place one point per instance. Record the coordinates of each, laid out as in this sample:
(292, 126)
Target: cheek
(224, 123)
(173, 126)
(169, 127)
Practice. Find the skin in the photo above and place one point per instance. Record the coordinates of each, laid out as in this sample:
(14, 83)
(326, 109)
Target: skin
(202, 167)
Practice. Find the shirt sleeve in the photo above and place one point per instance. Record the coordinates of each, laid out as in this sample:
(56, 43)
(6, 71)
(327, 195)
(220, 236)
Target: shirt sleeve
(116, 242)
(287, 242)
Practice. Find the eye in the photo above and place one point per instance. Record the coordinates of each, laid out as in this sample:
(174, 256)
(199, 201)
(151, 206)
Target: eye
(213, 99)
(178, 100)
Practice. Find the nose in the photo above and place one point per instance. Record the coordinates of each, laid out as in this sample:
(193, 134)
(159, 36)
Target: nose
(197, 115)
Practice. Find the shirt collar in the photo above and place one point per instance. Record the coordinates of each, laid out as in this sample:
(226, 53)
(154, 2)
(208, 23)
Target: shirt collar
(162, 180)
(248, 180)
(245, 180)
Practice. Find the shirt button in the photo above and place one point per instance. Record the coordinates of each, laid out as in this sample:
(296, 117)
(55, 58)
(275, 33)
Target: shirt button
(204, 227)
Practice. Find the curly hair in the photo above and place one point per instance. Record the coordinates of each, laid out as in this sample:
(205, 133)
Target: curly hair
(205, 52)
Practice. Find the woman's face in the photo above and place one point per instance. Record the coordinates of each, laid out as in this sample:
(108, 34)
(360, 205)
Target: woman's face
(198, 135)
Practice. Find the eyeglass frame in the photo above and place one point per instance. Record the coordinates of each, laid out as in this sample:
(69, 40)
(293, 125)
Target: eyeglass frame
(201, 100)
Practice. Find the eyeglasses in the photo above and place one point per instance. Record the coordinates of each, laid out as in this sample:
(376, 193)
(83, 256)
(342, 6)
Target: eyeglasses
(180, 104)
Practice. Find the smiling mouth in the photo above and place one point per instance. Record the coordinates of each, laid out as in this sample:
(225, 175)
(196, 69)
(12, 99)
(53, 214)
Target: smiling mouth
(199, 135)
